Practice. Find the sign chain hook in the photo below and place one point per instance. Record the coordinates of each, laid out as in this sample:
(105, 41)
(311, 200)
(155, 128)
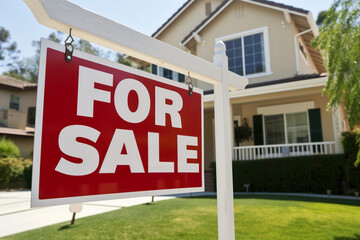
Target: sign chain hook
(69, 48)
(188, 81)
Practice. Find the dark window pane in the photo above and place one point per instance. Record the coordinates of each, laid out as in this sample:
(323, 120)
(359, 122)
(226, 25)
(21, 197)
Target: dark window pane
(237, 43)
(229, 44)
(249, 59)
(238, 52)
(250, 69)
(258, 48)
(234, 54)
(248, 40)
(259, 67)
(258, 57)
(167, 73)
(230, 54)
(274, 129)
(257, 38)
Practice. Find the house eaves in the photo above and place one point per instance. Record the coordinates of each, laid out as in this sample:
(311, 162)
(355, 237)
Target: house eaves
(15, 131)
(172, 18)
(306, 83)
(13, 83)
(225, 3)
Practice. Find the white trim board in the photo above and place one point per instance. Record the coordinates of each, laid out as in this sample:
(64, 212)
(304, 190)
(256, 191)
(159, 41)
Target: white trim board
(286, 108)
(275, 88)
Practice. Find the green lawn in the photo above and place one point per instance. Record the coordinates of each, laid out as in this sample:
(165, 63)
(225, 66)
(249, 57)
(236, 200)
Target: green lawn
(256, 217)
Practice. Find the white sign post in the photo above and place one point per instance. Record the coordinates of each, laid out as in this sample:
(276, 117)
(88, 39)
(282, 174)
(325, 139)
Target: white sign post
(63, 15)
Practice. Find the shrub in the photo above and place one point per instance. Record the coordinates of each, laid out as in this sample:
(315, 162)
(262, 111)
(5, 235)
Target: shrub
(351, 144)
(8, 148)
(303, 174)
(12, 169)
(28, 172)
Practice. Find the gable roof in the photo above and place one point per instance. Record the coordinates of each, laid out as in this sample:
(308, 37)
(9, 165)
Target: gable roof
(225, 3)
(302, 19)
(172, 18)
(264, 3)
(13, 83)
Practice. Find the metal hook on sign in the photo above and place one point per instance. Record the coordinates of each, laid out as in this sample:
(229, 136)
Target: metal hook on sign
(69, 48)
(189, 83)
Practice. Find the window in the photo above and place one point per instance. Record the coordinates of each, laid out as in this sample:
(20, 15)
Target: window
(31, 116)
(297, 128)
(248, 53)
(274, 129)
(14, 102)
(286, 128)
(167, 73)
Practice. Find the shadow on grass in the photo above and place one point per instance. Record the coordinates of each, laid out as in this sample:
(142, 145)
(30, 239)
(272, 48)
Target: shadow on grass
(149, 203)
(356, 237)
(66, 227)
(291, 198)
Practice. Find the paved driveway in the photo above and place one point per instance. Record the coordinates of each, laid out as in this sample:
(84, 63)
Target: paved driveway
(17, 216)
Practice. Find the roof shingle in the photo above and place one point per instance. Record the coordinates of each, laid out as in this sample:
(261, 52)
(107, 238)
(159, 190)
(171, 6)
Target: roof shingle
(9, 82)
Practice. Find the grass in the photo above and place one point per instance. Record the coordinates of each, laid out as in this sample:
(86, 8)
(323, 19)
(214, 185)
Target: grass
(256, 217)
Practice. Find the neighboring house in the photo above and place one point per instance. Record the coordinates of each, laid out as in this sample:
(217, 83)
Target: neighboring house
(270, 44)
(17, 112)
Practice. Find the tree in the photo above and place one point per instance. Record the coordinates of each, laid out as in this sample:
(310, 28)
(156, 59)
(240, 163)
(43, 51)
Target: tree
(8, 50)
(320, 18)
(339, 39)
(27, 69)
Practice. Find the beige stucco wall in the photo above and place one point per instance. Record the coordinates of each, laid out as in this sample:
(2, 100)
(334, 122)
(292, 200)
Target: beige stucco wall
(16, 118)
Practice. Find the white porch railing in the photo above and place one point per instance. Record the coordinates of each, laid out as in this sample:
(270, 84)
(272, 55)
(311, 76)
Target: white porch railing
(283, 150)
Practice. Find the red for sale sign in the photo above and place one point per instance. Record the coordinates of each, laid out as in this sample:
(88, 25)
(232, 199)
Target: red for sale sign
(104, 131)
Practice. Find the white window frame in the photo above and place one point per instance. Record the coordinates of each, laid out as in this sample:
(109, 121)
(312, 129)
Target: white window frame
(241, 35)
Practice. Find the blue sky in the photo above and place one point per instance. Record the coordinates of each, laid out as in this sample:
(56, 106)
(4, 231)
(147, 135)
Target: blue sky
(141, 15)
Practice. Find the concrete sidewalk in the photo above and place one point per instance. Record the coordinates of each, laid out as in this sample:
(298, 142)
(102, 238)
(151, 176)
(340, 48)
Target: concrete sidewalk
(17, 216)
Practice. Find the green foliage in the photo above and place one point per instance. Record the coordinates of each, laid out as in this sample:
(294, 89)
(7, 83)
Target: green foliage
(242, 132)
(351, 144)
(8, 50)
(11, 169)
(339, 39)
(303, 174)
(27, 174)
(8, 148)
(320, 18)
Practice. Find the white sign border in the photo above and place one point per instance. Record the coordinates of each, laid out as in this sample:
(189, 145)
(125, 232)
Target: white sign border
(35, 201)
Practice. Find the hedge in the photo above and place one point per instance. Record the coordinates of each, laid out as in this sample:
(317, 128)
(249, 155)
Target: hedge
(12, 169)
(303, 174)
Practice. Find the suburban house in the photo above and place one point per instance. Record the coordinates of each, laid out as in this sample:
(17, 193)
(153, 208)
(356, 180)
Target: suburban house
(270, 44)
(17, 113)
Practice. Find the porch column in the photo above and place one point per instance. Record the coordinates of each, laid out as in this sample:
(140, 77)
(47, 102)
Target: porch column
(336, 117)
